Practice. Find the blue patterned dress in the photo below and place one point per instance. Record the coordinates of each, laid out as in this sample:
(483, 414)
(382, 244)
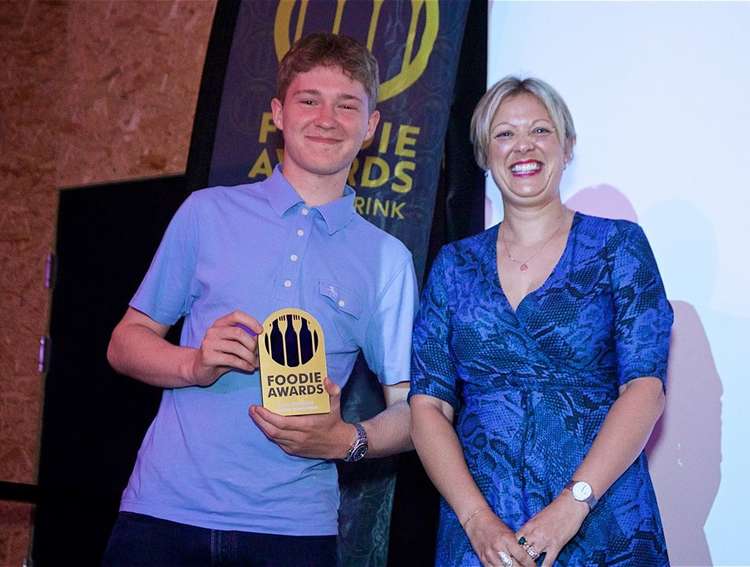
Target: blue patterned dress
(531, 388)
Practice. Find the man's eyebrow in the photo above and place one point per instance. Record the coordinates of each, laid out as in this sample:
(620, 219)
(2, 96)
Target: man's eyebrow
(316, 92)
(307, 91)
(347, 96)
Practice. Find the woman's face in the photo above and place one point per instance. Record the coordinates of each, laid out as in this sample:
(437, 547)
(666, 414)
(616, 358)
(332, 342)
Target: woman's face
(525, 156)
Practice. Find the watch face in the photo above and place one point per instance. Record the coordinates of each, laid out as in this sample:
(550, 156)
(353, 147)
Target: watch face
(359, 452)
(581, 491)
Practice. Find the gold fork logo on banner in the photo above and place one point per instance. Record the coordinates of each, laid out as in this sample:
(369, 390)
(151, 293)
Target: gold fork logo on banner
(293, 363)
(415, 57)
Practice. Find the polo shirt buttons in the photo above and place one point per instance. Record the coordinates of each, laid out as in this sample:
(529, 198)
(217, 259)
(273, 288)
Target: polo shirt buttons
(342, 303)
(294, 257)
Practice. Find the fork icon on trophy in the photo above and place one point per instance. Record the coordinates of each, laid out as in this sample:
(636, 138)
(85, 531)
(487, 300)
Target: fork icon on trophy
(292, 342)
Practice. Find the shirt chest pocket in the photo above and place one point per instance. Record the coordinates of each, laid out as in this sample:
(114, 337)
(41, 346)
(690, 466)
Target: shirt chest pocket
(340, 310)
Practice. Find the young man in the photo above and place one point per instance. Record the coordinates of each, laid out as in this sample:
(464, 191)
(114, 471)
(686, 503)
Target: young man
(212, 484)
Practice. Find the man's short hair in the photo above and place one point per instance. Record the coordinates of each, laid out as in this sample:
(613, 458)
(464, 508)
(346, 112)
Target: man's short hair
(329, 50)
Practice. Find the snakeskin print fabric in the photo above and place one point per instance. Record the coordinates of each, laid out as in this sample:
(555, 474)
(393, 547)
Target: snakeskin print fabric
(531, 387)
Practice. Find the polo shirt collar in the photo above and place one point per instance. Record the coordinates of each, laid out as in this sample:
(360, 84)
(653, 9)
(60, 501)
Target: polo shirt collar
(281, 195)
(336, 214)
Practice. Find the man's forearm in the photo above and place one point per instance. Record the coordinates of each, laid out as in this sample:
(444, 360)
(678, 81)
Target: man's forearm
(141, 353)
(138, 349)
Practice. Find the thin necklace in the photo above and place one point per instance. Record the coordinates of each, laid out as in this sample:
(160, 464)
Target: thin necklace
(524, 264)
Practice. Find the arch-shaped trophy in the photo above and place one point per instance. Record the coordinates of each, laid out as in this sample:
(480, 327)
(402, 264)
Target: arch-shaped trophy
(293, 363)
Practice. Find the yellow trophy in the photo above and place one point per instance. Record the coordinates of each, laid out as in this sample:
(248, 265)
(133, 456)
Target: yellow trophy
(293, 364)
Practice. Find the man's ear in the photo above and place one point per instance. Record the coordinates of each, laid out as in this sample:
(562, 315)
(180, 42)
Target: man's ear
(277, 113)
(372, 124)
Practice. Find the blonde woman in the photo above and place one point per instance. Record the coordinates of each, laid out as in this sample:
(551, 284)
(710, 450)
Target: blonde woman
(539, 361)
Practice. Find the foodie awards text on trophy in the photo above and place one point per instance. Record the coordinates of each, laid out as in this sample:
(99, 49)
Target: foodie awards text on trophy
(293, 364)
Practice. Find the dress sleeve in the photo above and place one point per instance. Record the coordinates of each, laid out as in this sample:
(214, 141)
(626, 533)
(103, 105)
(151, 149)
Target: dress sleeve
(166, 292)
(643, 316)
(433, 371)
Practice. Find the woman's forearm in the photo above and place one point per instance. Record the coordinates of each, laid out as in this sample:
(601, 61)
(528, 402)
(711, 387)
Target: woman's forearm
(440, 452)
(623, 435)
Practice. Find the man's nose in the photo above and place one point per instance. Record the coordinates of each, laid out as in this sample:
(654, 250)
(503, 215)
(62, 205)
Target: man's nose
(326, 117)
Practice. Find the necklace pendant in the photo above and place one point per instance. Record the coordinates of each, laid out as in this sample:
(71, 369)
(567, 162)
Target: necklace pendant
(523, 267)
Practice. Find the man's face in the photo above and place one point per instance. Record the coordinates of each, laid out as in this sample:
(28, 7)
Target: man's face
(325, 119)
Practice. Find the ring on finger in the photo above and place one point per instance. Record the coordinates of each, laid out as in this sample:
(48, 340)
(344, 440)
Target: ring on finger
(523, 542)
(506, 559)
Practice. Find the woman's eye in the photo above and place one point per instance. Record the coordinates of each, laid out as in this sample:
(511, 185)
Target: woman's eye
(504, 134)
(540, 130)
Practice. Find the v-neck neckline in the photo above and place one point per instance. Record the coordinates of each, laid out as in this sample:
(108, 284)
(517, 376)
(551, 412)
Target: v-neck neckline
(545, 283)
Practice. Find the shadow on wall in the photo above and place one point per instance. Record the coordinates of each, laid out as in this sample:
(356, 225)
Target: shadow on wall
(685, 448)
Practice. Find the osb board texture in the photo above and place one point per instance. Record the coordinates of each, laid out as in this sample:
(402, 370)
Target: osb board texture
(130, 106)
(90, 91)
(31, 83)
(15, 518)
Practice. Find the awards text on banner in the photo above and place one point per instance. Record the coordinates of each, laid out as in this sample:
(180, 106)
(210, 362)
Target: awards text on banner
(417, 44)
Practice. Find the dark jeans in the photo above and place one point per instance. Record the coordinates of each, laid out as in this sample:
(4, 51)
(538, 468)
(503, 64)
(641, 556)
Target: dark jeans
(144, 541)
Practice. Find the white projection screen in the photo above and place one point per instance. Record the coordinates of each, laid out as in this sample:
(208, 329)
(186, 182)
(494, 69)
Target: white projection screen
(660, 95)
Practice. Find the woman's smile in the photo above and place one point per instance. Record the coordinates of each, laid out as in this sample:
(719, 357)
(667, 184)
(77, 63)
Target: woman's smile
(526, 168)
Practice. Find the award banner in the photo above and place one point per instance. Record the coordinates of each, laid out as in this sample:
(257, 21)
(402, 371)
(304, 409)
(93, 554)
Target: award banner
(417, 44)
(293, 364)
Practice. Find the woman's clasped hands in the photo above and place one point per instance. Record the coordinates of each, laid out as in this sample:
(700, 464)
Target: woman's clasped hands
(553, 527)
(494, 543)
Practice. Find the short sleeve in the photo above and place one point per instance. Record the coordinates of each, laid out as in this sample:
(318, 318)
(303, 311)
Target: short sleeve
(433, 372)
(165, 294)
(643, 316)
(387, 346)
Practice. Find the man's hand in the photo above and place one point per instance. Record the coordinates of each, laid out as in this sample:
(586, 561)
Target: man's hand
(323, 436)
(226, 346)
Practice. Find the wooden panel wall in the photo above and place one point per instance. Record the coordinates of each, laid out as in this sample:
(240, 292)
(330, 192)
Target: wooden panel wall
(90, 91)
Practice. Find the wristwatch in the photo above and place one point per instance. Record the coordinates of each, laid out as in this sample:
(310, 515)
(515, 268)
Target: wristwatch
(582, 492)
(359, 448)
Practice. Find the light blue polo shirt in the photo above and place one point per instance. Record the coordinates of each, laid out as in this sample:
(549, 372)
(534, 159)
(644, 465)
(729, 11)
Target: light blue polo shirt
(259, 248)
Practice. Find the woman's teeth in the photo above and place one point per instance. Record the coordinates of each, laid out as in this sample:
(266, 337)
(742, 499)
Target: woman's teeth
(526, 167)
